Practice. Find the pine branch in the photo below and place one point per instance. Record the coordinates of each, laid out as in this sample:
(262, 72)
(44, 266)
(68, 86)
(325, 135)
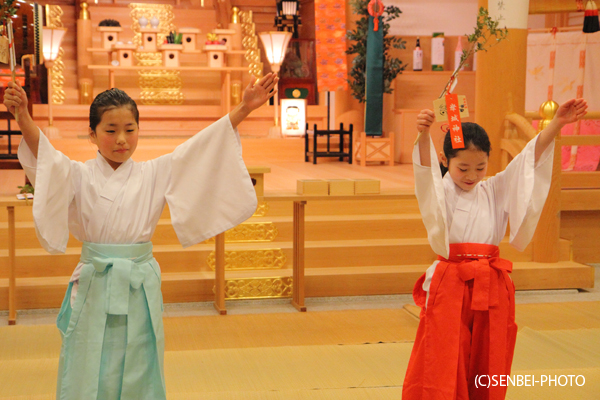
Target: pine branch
(485, 30)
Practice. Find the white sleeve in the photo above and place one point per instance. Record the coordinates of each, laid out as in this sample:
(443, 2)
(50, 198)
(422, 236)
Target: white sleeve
(522, 189)
(50, 174)
(429, 189)
(210, 189)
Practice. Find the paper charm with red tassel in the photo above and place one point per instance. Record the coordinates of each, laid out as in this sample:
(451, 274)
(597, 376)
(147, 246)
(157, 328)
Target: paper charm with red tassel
(590, 21)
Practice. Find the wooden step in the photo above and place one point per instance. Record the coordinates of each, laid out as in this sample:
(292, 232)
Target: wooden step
(21, 214)
(406, 205)
(25, 236)
(321, 227)
(48, 292)
(318, 254)
(318, 227)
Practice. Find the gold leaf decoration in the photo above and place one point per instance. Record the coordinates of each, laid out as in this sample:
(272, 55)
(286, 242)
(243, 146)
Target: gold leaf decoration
(250, 259)
(258, 288)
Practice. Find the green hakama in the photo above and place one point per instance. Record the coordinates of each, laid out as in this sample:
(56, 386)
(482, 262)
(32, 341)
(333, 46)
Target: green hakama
(113, 339)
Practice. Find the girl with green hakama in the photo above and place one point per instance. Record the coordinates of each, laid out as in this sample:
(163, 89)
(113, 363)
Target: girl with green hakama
(111, 316)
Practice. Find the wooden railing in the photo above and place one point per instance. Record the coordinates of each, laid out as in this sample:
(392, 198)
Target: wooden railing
(518, 131)
(298, 242)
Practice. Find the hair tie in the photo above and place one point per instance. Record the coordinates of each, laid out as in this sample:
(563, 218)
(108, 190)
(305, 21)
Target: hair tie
(445, 128)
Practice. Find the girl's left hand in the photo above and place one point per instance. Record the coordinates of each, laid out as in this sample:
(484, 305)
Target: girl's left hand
(257, 93)
(571, 111)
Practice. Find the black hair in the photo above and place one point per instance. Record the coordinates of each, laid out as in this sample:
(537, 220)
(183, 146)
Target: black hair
(108, 100)
(474, 136)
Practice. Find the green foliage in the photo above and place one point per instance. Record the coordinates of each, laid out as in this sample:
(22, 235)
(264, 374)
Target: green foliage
(109, 22)
(485, 36)
(391, 66)
(26, 189)
(7, 10)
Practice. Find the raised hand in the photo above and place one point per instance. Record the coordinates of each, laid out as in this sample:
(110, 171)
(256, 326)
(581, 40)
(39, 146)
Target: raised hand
(571, 111)
(257, 93)
(15, 98)
(425, 120)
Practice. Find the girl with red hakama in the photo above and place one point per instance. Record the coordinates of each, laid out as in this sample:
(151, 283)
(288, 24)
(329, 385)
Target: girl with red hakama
(467, 326)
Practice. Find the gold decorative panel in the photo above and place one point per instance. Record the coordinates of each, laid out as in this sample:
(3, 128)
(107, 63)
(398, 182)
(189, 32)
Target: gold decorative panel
(53, 19)
(161, 79)
(250, 44)
(148, 58)
(157, 86)
(258, 288)
(164, 13)
(161, 96)
(250, 259)
(250, 232)
(262, 209)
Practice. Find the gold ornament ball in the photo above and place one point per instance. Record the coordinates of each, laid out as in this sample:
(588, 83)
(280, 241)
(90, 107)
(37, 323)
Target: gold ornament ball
(548, 109)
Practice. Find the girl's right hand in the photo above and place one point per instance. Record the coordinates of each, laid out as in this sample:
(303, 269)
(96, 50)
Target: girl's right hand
(15, 98)
(425, 120)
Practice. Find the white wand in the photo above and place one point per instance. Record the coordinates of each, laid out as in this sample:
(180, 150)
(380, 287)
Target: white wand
(11, 46)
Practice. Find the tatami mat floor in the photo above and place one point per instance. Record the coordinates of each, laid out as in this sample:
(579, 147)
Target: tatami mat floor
(343, 348)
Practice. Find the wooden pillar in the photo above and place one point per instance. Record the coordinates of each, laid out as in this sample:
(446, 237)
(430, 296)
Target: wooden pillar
(220, 273)
(223, 8)
(226, 91)
(501, 74)
(111, 78)
(12, 299)
(547, 235)
(298, 243)
(85, 76)
(235, 60)
(546, 247)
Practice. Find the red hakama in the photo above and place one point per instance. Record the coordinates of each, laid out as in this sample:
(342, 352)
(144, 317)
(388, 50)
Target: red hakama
(467, 329)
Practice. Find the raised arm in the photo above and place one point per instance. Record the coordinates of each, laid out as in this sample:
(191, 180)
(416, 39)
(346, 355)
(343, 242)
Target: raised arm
(424, 121)
(255, 95)
(15, 98)
(569, 112)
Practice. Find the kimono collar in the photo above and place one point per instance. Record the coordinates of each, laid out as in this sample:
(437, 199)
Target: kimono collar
(105, 167)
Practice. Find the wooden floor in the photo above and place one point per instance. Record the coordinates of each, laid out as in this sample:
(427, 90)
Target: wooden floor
(285, 157)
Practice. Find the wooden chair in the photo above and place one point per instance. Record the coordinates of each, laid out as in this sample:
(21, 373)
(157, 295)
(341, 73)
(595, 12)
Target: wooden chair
(340, 152)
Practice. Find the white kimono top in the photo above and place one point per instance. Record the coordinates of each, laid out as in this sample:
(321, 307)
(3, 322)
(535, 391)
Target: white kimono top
(204, 180)
(481, 215)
